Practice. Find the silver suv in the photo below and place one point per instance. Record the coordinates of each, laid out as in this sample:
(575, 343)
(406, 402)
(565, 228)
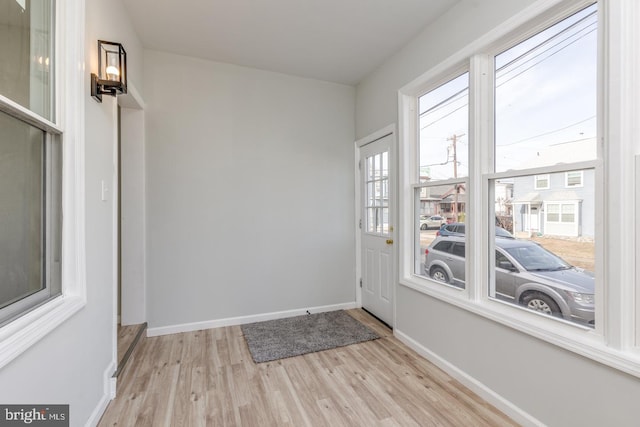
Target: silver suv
(526, 274)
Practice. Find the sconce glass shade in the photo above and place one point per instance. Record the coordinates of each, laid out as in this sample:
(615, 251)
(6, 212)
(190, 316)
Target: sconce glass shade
(112, 71)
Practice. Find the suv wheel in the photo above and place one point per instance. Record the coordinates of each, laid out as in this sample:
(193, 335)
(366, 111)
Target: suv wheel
(438, 273)
(538, 301)
(423, 227)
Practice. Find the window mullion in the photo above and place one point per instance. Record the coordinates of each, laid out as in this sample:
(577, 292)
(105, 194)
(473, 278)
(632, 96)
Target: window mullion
(620, 84)
(481, 163)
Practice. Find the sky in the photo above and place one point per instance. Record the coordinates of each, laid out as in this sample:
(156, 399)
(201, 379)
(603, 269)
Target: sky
(545, 94)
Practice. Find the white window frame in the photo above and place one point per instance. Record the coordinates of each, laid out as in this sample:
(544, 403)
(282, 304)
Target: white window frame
(538, 178)
(566, 179)
(23, 332)
(616, 339)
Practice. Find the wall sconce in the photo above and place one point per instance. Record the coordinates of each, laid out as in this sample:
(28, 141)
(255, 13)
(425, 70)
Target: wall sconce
(112, 69)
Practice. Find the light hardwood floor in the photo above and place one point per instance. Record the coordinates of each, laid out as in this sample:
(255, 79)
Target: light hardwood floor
(126, 335)
(208, 378)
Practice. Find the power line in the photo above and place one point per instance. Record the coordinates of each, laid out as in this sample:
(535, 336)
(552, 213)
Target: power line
(542, 60)
(446, 115)
(546, 133)
(443, 102)
(506, 72)
(454, 98)
(548, 40)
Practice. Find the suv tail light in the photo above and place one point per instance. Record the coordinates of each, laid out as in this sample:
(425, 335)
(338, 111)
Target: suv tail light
(426, 251)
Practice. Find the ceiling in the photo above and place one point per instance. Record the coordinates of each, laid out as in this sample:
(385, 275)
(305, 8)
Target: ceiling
(334, 40)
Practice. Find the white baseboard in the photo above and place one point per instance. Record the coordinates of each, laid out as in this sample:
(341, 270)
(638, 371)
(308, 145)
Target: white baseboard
(233, 321)
(109, 393)
(473, 384)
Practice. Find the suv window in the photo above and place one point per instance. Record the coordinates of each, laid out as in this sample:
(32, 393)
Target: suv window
(458, 249)
(500, 258)
(443, 246)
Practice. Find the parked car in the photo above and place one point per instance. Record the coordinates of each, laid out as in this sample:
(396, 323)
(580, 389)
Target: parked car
(457, 229)
(433, 221)
(525, 273)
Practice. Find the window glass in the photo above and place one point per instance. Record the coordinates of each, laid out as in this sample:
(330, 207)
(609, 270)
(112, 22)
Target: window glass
(553, 212)
(377, 194)
(541, 182)
(568, 213)
(458, 249)
(444, 246)
(551, 244)
(574, 179)
(545, 95)
(502, 261)
(30, 161)
(444, 128)
(438, 208)
(21, 192)
(26, 49)
(545, 115)
(443, 155)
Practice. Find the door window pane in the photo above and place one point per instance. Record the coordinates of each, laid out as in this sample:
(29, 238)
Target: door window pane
(377, 197)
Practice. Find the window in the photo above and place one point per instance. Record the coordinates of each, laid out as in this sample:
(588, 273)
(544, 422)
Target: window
(567, 213)
(443, 163)
(541, 182)
(553, 212)
(42, 159)
(377, 194)
(533, 111)
(549, 162)
(574, 178)
(545, 114)
(30, 164)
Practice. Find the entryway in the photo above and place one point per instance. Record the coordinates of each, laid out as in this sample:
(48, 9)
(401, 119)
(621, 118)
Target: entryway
(377, 178)
(130, 228)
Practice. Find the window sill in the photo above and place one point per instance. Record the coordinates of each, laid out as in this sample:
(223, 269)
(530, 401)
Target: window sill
(572, 337)
(19, 335)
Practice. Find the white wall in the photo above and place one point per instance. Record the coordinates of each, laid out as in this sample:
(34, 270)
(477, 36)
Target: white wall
(132, 225)
(71, 365)
(250, 191)
(557, 387)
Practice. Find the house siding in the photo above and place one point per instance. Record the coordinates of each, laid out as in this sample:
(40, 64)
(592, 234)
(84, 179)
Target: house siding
(526, 197)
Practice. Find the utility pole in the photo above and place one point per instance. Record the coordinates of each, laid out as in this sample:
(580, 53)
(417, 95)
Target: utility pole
(454, 141)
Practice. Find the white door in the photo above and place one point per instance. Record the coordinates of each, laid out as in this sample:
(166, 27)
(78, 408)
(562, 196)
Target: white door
(377, 215)
(535, 220)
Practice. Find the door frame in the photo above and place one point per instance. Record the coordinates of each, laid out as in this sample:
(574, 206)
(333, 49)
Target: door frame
(393, 207)
(132, 207)
(133, 107)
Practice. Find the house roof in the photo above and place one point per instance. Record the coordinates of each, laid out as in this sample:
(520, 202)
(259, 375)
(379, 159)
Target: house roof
(533, 197)
(552, 196)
